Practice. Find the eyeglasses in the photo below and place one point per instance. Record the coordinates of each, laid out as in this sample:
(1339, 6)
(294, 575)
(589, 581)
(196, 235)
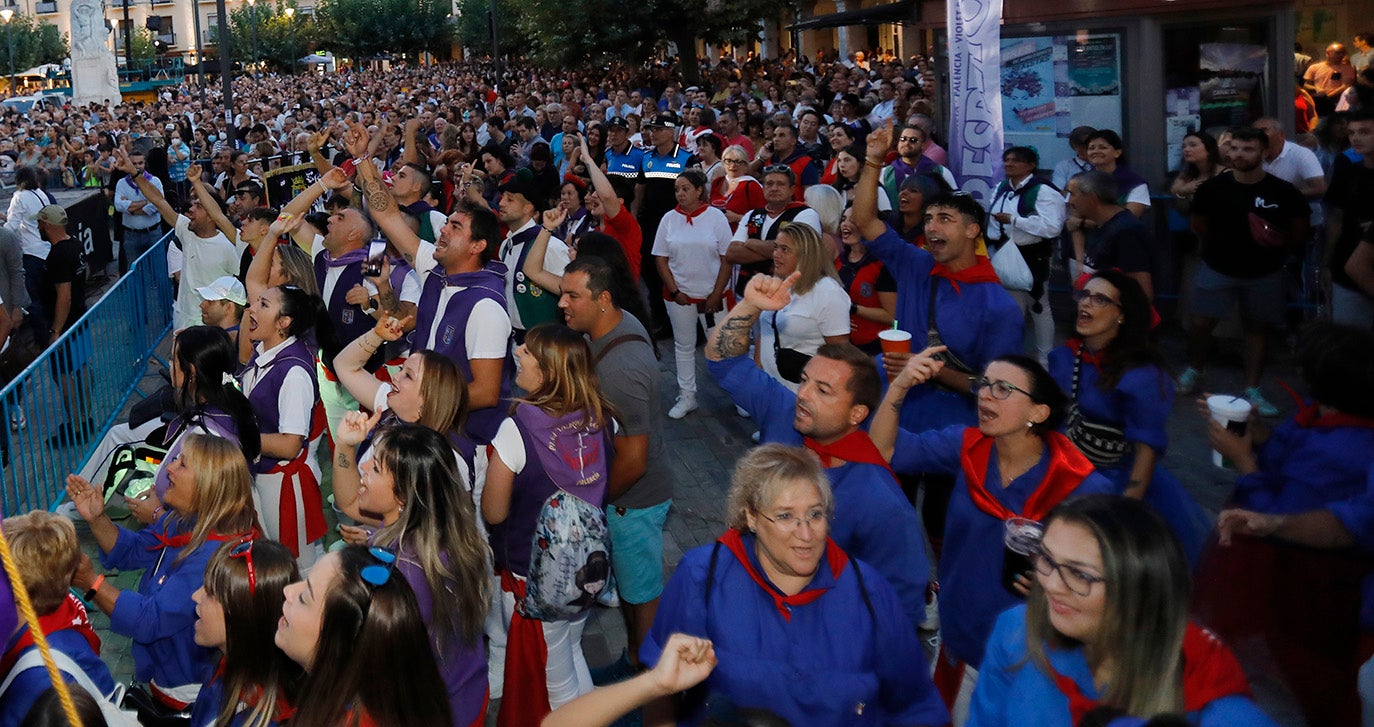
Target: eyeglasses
(789, 522)
(1078, 580)
(245, 550)
(733, 161)
(1000, 389)
(379, 573)
(1096, 300)
(909, 139)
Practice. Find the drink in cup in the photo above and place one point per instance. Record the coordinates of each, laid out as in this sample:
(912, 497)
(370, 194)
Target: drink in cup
(894, 341)
(1232, 412)
(1020, 542)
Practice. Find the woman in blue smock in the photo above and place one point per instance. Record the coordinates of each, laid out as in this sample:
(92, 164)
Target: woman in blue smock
(209, 501)
(1121, 397)
(1016, 442)
(236, 613)
(1106, 627)
(800, 629)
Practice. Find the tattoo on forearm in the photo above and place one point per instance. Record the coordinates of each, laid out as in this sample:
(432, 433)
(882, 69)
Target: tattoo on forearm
(378, 198)
(733, 338)
(388, 302)
(343, 460)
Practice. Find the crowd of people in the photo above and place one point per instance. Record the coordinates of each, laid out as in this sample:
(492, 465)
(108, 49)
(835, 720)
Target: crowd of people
(458, 321)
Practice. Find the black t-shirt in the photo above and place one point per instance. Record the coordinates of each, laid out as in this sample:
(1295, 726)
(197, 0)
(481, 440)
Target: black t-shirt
(1352, 192)
(1228, 247)
(67, 264)
(1121, 243)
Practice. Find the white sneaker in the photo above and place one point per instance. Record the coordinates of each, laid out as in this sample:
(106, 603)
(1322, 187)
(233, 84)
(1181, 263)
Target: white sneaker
(685, 404)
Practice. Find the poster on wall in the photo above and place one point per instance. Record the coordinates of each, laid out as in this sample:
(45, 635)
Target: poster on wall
(1232, 87)
(1181, 117)
(1051, 84)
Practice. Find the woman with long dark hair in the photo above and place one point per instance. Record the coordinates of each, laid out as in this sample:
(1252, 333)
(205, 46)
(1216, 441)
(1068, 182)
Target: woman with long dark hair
(1200, 162)
(209, 501)
(237, 609)
(1120, 396)
(411, 488)
(1014, 464)
(1106, 152)
(354, 626)
(552, 451)
(1106, 626)
(287, 325)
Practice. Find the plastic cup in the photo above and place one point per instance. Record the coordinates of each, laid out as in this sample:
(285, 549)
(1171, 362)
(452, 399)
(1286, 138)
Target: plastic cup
(894, 341)
(1232, 412)
(1020, 541)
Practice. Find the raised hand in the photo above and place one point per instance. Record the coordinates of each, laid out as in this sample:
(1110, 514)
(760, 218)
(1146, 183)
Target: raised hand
(357, 140)
(355, 427)
(318, 140)
(336, 179)
(920, 368)
(880, 141)
(555, 216)
(391, 329)
(87, 498)
(123, 163)
(686, 662)
(193, 173)
(766, 292)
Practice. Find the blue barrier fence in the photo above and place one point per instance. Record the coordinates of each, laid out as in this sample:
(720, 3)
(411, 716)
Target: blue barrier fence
(77, 387)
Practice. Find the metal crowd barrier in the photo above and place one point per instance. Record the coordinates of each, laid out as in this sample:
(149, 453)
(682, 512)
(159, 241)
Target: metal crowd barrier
(76, 389)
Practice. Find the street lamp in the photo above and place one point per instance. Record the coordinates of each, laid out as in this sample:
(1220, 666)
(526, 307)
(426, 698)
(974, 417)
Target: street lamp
(8, 14)
(290, 15)
(253, 11)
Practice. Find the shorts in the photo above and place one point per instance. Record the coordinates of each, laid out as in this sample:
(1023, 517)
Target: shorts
(637, 550)
(1261, 299)
(74, 352)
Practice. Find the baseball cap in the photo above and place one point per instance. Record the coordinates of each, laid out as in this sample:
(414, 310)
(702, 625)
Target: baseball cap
(667, 120)
(618, 122)
(226, 287)
(53, 214)
(522, 183)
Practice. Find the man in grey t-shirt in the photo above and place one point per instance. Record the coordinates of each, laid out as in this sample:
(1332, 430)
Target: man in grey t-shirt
(641, 486)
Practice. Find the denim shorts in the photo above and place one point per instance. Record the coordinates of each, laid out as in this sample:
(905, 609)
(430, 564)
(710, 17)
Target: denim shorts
(637, 550)
(1261, 300)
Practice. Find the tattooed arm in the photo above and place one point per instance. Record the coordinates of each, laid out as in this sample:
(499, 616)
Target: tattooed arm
(377, 198)
(731, 337)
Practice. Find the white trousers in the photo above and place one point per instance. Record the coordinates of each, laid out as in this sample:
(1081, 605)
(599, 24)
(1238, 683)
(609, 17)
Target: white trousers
(565, 673)
(684, 319)
(1042, 323)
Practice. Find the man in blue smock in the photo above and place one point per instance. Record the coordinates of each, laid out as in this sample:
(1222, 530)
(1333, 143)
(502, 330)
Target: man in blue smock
(839, 388)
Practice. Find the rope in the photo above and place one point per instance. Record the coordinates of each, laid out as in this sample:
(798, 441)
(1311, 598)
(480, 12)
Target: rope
(21, 599)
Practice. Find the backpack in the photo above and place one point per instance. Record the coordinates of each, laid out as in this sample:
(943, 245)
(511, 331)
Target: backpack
(570, 551)
(114, 716)
(133, 469)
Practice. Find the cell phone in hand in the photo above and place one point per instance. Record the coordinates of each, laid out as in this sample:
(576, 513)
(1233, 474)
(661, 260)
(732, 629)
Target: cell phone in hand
(376, 256)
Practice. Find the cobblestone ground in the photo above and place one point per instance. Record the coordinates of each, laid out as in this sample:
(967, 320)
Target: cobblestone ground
(704, 446)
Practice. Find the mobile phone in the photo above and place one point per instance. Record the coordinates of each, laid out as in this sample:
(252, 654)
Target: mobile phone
(376, 255)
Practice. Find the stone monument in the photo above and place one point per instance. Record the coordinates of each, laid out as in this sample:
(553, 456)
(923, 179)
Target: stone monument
(94, 77)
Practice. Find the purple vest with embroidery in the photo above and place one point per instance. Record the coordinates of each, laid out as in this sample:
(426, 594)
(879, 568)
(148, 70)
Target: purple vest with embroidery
(349, 320)
(450, 335)
(263, 397)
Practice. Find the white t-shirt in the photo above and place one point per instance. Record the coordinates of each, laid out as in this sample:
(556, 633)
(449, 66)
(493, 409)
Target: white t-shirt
(804, 323)
(556, 258)
(807, 216)
(1296, 164)
(488, 331)
(295, 398)
(694, 250)
(203, 260)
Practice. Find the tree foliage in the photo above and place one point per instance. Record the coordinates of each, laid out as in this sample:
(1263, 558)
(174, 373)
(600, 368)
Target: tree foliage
(367, 28)
(264, 32)
(474, 27)
(35, 43)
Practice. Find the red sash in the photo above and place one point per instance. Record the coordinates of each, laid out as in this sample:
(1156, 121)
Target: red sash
(71, 614)
(980, 272)
(835, 557)
(1067, 469)
(853, 447)
(1210, 672)
(312, 500)
(526, 697)
(1310, 415)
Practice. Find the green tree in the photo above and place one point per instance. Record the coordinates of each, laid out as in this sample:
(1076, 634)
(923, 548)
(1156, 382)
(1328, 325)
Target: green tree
(474, 27)
(366, 28)
(279, 37)
(35, 43)
(141, 45)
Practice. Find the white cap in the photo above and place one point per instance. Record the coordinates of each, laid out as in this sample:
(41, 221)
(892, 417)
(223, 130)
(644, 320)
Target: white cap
(226, 287)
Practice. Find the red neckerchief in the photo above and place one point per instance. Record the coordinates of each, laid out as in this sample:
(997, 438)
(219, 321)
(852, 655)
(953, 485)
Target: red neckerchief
(281, 713)
(856, 446)
(71, 614)
(1067, 469)
(690, 215)
(1210, 672)
(1096, 358)
(1310, 415)
(979, 272)
(835, 557)
(182, 540)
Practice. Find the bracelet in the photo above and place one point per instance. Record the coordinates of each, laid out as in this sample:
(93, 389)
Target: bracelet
(550, 230)
(95, 588)
(873, 164)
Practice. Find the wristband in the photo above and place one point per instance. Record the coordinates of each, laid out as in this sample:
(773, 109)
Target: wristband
(95, 588)
(873, 164)
(550, 230)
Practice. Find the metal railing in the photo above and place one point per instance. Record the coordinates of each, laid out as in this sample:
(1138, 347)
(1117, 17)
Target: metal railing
(73, 392)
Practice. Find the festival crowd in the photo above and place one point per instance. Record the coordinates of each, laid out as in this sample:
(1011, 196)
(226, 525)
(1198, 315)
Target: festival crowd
(952, 515)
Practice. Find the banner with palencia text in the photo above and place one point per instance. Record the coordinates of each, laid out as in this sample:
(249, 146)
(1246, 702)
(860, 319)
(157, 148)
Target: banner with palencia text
(975, 94)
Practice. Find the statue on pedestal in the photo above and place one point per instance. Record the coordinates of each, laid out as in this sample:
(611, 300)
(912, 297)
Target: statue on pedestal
(94, 76)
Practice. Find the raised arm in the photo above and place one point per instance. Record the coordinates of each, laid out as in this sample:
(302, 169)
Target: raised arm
(865, 215)
(146, 186)
(534, 261)
(351, 432)
(210, 203)
(300, 205)
(409, 153)
(377, 198)
(600, 182)
(316, 148)
(731, 337)
(919, 369)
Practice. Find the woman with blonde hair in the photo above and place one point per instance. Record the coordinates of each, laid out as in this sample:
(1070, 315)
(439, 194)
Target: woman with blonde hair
(551, 457)
(817, 314)
(1106, 627)
(829, 206)
(209, 500)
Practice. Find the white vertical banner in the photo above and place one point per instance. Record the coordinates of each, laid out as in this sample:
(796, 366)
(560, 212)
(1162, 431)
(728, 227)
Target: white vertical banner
(975, 94)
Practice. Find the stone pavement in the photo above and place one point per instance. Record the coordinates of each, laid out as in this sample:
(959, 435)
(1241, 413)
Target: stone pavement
(704, 446)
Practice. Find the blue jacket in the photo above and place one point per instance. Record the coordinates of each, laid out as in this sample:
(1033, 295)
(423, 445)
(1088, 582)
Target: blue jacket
(1013, 692)
(833, 661)
(30, 684)
(874, 522)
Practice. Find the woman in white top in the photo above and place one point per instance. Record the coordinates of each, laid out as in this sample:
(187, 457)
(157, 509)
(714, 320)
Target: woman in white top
(21, 219)
(817, 314)
(689, 250)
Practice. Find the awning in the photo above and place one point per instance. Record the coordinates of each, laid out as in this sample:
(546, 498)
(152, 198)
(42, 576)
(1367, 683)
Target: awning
(902, 11)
